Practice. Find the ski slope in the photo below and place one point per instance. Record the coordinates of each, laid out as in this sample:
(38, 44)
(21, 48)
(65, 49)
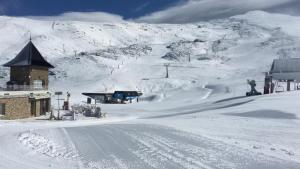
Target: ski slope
(197, 118)
(104, 57)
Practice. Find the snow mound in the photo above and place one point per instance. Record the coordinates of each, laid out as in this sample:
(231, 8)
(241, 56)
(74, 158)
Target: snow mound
(40, 144)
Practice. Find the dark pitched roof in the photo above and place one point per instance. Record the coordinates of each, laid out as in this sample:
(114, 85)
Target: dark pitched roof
(290, 65)
(29, 56)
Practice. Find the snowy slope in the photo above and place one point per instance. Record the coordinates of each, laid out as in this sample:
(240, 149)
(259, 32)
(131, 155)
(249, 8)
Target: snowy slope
(130, 56)
(235, 133)
(190, 121)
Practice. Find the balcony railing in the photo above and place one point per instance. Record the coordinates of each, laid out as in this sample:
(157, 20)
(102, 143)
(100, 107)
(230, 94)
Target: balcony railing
(23, 88)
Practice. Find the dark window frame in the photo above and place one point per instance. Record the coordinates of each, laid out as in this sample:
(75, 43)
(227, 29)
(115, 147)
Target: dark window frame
(2, 109)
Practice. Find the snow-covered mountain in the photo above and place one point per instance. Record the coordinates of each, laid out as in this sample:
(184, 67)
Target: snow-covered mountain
(95, 57)
(187, 121)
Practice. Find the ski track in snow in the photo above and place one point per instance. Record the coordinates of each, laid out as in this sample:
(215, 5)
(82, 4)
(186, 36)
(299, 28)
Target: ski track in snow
(148, 146)
(135, 146)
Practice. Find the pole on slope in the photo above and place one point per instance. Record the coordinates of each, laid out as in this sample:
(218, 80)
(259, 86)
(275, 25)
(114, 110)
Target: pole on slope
(75, 54)
(167, 69)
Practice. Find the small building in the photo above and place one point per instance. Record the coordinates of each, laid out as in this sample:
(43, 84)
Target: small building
(283, 76)
(113, 98)
(24, 104)
(26, 94)
(28, 69)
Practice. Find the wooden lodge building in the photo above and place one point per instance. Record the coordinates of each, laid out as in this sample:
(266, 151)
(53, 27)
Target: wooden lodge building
(26, 94)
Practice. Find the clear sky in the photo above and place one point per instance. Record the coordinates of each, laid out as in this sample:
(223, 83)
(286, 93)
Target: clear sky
(152, 11)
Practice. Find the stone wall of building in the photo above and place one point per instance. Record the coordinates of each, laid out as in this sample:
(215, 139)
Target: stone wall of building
(16, 107)
(39, 73)
(26, 75)
(24, 104)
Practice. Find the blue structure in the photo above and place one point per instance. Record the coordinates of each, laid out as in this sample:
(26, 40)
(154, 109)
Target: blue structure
(125, 95)
(114, 98)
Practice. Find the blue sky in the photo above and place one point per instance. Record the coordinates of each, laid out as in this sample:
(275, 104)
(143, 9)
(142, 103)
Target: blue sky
(125, 8)
(150, 11)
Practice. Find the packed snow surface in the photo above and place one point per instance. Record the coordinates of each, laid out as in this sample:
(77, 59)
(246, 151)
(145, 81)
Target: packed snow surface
(197, 118)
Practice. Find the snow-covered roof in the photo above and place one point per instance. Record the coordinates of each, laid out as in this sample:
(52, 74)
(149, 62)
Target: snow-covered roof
(286, 69)
(290, 65)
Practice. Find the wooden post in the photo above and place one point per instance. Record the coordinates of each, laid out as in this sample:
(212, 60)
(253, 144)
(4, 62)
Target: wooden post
(268, 84)
(289, 85)
(272, 87)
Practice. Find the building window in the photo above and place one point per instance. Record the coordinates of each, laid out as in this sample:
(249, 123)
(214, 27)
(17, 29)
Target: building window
(37, 84)
(2, 109)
